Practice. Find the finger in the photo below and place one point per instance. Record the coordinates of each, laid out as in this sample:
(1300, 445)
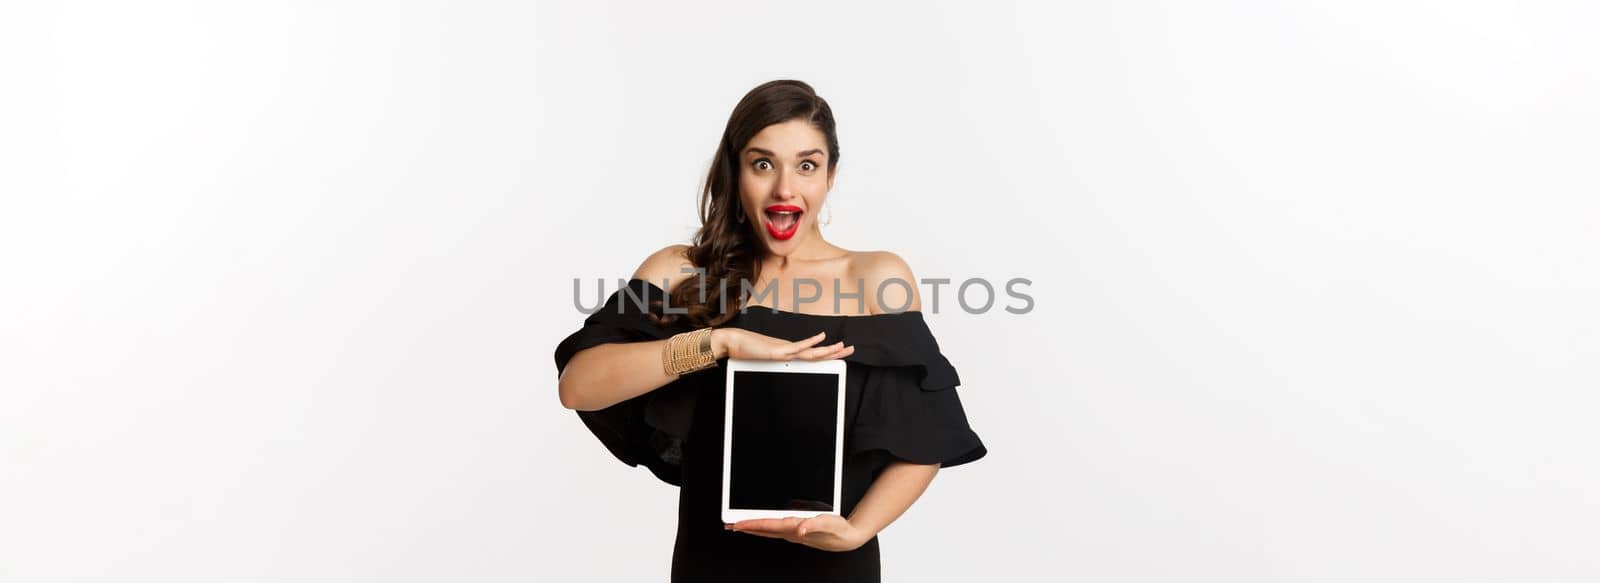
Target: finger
(816, 356)
(807, 342)
(814, 352)
(829, 352)
(840, 353)
(822, 351)
(752, 524)
(779, 525)
(799, 349)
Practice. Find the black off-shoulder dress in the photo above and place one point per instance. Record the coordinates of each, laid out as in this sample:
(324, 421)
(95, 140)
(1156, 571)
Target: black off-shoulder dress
(900, 403)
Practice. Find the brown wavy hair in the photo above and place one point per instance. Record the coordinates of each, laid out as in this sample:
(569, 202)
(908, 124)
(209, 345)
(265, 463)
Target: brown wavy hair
(727, 249)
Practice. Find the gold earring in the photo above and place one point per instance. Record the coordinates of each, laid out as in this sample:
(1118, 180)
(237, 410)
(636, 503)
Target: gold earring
(828, 219)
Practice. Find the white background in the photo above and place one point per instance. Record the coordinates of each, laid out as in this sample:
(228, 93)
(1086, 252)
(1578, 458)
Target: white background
(1315, 282)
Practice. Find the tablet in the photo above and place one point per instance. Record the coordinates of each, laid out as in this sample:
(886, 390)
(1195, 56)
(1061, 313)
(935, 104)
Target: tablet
(783, 439)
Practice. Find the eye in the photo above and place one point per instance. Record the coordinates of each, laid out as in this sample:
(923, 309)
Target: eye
(758, 164)
(812, 164)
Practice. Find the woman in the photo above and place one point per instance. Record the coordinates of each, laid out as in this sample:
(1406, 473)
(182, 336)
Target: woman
(645, 379)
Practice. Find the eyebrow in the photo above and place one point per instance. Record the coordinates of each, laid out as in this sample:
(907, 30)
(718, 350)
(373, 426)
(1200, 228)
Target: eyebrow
(765, 152)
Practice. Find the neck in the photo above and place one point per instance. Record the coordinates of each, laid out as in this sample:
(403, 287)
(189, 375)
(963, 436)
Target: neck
(815, 248)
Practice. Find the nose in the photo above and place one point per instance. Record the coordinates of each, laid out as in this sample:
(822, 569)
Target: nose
(783, 189)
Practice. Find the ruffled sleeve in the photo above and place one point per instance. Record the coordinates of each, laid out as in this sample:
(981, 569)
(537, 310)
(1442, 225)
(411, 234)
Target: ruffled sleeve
(633, 430)
(909, 404)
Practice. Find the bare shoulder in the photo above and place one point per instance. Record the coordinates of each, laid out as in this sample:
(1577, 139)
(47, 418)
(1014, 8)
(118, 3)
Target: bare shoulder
(669, 265)
(890, 285)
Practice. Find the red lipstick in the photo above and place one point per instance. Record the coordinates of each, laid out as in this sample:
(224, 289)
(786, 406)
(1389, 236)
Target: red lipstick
(783, 221)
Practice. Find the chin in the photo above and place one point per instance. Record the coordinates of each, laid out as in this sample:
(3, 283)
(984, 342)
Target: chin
(781, 248)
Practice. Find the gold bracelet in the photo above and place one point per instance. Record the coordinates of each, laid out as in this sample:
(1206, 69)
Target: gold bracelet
(688, 352)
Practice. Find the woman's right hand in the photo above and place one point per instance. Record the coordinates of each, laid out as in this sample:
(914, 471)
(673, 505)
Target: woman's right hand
(744, 344)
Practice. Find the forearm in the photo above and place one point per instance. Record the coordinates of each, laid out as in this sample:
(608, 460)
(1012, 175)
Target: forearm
(895, 489)
(604, 375)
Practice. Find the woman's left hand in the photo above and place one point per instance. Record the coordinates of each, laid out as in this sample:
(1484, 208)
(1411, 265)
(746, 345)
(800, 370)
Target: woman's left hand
(829, 532)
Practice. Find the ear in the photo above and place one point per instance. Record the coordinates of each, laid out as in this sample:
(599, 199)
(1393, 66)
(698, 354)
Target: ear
(831, 173)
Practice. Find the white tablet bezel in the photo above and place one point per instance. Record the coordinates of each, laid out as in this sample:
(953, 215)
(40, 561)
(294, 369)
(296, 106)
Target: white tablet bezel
(834, 367)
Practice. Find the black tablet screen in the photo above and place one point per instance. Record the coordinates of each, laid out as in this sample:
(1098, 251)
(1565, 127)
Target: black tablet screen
(784, 426)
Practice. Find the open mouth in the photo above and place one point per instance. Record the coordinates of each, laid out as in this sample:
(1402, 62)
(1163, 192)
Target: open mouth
(783, 221)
